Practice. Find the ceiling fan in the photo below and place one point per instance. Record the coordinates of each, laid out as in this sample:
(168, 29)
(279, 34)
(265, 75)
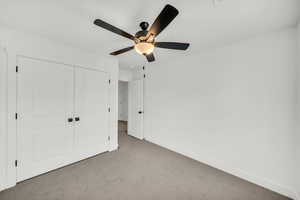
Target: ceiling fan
(145, 39)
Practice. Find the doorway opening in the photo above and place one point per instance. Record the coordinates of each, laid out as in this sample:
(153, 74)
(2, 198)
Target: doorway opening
(123, 108)
(131, 109)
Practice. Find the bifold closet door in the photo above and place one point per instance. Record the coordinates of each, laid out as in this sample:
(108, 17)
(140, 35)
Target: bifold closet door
(91, 112)
(45, 102)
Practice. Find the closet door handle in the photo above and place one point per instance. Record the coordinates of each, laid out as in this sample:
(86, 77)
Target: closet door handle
(77, 119)
(70, 119)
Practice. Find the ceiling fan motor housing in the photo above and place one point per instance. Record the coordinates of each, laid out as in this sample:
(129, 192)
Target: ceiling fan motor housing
(144, 25)
(141, 35)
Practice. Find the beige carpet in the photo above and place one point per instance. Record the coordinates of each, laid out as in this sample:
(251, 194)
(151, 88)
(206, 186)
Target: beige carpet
(138, 171)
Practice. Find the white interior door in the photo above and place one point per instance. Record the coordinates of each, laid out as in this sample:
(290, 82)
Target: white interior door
(135, 109)
(91, 108)
(3, 116)
(45, 102)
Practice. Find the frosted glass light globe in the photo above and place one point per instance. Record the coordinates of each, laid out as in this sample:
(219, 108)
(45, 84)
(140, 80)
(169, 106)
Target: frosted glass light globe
(144, 48)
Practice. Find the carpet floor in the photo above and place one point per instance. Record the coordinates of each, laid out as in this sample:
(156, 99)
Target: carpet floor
(139, 170)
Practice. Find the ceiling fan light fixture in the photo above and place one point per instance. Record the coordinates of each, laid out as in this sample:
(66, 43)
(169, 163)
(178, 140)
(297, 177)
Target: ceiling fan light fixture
(144, 40)
(144, 48)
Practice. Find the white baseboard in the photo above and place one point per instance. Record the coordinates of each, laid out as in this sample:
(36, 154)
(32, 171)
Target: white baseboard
(297, 196)
(233, 171)
(2, 188)
(114, 148)
(7, 186)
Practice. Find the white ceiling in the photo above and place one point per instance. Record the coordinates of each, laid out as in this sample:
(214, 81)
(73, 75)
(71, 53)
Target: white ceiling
(199, 21)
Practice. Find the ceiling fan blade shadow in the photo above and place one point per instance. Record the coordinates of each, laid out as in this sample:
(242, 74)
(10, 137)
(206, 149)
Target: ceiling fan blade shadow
(163, 20)
(113, 29)
(150, 57)
(121, 51)
(172, 45)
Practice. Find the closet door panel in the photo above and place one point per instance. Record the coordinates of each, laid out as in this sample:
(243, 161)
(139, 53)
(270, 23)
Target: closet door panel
(91, 107)
(45, 102)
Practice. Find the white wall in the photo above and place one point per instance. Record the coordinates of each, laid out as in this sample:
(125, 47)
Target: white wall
(125, 74)
(298, 127)
(3, 114)
(123, 101)
(231, 107)
(19, 43)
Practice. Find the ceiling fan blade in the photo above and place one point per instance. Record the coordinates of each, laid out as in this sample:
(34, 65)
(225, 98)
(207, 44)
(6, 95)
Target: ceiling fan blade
(113, 29)
(163, 20)
(121, 51)
(172, 45)
(150, 57)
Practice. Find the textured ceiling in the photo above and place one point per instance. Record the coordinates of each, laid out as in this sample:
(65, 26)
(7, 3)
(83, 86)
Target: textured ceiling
(199, 22)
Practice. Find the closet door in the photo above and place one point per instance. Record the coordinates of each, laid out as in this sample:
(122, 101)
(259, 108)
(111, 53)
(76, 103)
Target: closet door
(45, 103)
(91, 112)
